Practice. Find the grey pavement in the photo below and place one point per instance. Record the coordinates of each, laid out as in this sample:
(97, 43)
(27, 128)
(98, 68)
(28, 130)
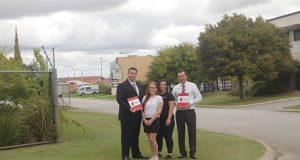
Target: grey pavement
(279, 130)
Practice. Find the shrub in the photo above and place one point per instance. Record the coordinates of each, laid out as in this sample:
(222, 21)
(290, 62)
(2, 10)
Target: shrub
(104, 88)
(11, 130)
(38, 117)
(262, 88)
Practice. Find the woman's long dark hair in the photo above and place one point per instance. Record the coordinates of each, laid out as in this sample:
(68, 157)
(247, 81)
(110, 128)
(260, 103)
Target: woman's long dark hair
(148, 93)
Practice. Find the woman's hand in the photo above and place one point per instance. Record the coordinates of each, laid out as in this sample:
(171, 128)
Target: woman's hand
(148, 122)
(168, 122)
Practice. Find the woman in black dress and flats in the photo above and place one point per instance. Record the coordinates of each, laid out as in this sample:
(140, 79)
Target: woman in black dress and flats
(167, 121)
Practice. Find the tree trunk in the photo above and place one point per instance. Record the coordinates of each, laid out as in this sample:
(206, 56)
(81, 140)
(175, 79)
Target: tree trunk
(240, 79)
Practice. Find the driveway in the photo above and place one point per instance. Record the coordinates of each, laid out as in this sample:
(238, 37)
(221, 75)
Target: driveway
(280, 130)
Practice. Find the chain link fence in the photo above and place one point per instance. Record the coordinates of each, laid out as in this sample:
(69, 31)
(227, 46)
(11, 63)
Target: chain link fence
(28, 108)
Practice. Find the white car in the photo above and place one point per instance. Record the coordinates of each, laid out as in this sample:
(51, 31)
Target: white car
(88, 89)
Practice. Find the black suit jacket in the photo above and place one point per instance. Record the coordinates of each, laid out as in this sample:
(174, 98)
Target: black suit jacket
(124, 91)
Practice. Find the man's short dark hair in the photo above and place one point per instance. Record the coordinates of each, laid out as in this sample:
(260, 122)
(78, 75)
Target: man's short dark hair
(182, 70)
(132, 68)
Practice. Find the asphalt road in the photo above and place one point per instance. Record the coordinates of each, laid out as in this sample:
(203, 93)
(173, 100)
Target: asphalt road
(280, 130)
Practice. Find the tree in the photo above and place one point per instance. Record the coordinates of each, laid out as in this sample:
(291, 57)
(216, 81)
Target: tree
(17, 54)
(240, 46)
(172, 58)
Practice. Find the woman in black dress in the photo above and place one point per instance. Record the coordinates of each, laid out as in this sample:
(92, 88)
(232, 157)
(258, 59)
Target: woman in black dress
(167, 122)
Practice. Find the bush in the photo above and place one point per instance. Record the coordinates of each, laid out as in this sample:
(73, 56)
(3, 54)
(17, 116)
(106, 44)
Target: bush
(104, 88)
(262, 88)
(11, 131)
(37, 115)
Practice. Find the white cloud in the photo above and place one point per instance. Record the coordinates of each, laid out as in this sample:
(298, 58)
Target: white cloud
(83, 30)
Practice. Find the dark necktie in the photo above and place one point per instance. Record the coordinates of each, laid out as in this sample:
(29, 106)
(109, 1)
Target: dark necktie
(183, 88)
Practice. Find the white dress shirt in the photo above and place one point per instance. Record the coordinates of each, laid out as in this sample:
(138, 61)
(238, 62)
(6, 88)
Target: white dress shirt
(190, 88)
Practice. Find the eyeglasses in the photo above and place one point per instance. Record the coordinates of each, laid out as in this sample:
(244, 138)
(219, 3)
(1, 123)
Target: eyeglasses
(152, 87)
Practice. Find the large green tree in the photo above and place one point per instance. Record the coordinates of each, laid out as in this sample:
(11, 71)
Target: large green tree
(240, 46)
(172, 58)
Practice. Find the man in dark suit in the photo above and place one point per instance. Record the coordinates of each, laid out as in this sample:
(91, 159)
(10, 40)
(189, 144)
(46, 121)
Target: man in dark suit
(129, 118)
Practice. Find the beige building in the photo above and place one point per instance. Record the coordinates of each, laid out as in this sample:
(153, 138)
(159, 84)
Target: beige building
(119, 68)
(142, 63)
(291, 24)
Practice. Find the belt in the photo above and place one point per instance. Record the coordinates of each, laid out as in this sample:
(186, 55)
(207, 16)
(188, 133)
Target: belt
(185, 110)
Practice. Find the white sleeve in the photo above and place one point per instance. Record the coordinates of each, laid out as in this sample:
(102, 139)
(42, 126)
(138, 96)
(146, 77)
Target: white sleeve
(197, 95)
(159, 99)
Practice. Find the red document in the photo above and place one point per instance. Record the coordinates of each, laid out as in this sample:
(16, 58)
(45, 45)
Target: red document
(183, 100)
(135, 103)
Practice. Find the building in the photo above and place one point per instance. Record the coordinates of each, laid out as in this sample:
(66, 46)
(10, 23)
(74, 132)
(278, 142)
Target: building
(120, 67)
(291, 24)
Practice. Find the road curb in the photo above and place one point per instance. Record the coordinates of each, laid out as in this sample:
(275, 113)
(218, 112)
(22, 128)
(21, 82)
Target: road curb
(270, 154)
(288, 110)
(248, 105)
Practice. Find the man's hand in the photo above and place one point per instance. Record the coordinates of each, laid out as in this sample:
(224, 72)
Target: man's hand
(132, 110)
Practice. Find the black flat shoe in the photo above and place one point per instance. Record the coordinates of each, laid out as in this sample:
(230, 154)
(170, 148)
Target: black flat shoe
(181, 157)
(193, 157)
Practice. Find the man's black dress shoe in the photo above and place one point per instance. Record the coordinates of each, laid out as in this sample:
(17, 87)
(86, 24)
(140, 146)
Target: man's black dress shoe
(140, 157)
(182, 157)
(193, 157)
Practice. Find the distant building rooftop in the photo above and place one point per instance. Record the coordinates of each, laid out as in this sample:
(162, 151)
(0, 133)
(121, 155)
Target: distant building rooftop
(286, 15)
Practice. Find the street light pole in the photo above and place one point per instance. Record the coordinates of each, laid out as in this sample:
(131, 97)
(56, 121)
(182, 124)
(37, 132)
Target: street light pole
(101, 66)
(72, 70)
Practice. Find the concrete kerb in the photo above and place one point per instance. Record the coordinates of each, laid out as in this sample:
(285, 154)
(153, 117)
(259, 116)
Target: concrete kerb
(247, 105)
(288, 110)
(270, 154)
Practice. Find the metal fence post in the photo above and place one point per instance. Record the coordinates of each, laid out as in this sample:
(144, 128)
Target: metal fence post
(54, 96)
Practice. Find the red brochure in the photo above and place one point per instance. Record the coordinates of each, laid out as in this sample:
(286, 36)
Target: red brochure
(135, 103)
(183, 100)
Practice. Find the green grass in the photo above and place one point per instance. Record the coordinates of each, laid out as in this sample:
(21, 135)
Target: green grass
(101, 141)
(91, 96)
(222, 99)
(293, 107)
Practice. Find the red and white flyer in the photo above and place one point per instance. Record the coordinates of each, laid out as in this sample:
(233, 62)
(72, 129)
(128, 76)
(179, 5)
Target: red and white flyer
(183, 100)
(135, 103)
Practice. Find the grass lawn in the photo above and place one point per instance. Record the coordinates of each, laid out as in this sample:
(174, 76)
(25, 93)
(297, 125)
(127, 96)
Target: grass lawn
(293, 107)
(91, 96)
(222, 99)
(101, 141)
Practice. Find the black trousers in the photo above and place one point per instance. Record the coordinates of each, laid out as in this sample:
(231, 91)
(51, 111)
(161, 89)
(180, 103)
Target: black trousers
(187, 117)
(130, 132)
(165, 132)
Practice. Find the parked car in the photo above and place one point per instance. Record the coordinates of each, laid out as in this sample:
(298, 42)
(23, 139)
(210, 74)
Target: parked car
(225, 85)
(88, 89)
(206, 87)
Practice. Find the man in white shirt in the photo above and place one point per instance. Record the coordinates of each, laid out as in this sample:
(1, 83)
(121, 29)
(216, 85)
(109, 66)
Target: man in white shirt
(187, 95)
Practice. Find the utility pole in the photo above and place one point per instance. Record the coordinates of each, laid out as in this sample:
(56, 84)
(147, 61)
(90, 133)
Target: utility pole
(101, 66)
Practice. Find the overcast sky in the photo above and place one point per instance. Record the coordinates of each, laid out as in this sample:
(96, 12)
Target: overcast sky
(83, 31)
